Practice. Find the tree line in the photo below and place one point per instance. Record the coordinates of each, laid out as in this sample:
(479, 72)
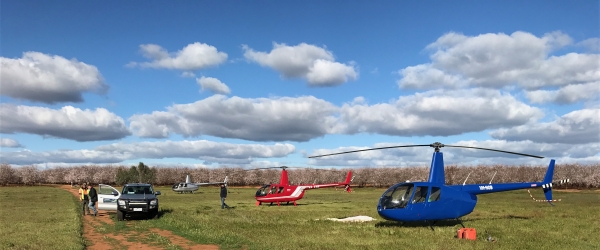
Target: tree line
(580, 175)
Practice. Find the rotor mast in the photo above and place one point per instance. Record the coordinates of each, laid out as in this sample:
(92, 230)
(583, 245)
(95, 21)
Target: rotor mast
(436, 172)
(284, 177)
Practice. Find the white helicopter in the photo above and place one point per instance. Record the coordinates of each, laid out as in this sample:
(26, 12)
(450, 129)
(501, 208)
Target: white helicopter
(188, 186)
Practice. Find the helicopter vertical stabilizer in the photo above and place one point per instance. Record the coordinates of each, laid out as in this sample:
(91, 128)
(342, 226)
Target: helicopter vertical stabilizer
(436, 173)
(187, 179)
(548, 181)
(348, 178)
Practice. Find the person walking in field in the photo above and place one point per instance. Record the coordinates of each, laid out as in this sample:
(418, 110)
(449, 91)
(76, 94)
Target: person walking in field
(84, 198)
(93, 195)
(223, 196)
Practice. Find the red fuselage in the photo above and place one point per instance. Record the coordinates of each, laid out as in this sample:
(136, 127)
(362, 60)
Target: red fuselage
(282, 192)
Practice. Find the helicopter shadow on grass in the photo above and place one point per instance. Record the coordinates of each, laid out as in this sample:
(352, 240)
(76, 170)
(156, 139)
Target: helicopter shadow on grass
(286, 205)
(446, 223)
(303, 204)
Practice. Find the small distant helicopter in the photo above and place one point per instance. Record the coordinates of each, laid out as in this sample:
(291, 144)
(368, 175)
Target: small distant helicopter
(433, 200)
(188, 186)
(284, 192)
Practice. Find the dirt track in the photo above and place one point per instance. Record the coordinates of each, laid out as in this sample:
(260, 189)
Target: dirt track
(98, 240)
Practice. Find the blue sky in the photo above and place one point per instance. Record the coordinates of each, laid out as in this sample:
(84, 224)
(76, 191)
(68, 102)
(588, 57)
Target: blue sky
(266, 83)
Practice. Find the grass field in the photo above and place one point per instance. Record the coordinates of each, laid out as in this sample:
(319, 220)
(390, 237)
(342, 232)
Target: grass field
(39, 218)
(512, 218)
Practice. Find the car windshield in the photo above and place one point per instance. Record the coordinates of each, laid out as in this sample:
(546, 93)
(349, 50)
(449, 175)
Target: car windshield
(137, 190)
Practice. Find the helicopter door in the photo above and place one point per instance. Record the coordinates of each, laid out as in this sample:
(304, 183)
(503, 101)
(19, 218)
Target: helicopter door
(435, 194)
(418, 204)
(273, 190)
(436, 205)
(106, 198)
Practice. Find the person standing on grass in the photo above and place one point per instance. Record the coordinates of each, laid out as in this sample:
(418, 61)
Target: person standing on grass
(223, 196)
(84, 198)
(93, 195)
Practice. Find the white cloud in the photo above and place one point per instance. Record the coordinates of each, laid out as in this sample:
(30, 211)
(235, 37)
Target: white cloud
(49, 78)
(261, 119)
(424, 76)
(556, 40)
(9, 143)
(500, 60)
(67, 122)
(327, 73)
(219, 152)
(567, 94)
(438, 113)
(304, 118)
(194, 56)
(577, 127)
(421, 156)
(315, 64)
(27, 157)
(591, 44)
(208, 151)
(202, 149)
(213, 84)
(188, 74)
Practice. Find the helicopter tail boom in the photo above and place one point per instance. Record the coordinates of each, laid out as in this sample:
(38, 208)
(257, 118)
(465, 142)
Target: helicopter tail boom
(546, 185)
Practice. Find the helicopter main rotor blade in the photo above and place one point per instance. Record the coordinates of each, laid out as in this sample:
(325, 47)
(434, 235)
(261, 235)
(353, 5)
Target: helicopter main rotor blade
(369, 149)
(508, 152)
(282, 167)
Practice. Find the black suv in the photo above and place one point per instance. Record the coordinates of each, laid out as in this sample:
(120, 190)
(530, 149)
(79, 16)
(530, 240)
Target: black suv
(137, 198)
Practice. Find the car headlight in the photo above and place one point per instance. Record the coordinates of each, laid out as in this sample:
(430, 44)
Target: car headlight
(153, 202)
(121, 202)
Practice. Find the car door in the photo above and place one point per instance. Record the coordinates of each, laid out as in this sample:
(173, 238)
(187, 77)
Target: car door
(107, 200)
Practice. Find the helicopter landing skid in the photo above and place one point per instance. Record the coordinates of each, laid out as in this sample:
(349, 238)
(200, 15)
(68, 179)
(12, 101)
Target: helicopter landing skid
(459, 221)
(431, 224)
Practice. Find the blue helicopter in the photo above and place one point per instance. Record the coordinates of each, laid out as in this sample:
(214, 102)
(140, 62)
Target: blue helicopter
(433, 200)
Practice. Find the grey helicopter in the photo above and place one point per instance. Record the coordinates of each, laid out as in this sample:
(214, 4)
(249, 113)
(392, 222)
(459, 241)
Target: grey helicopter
(189, 186)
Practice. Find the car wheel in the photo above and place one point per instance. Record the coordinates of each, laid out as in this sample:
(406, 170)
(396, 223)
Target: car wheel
(120, 215)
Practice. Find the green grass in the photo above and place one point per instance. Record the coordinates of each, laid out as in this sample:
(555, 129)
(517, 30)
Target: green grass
(512, 218)
(39, 218)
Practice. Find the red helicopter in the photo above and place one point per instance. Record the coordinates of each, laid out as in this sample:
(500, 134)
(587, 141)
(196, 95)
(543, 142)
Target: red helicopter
(284, 192)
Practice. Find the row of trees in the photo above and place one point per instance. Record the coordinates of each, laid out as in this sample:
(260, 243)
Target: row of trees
(585, 176)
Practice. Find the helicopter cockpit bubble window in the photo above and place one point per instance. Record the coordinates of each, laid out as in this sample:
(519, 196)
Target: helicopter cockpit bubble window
(397, 197)
(435, 194)
(262, 191)
(420, 195)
